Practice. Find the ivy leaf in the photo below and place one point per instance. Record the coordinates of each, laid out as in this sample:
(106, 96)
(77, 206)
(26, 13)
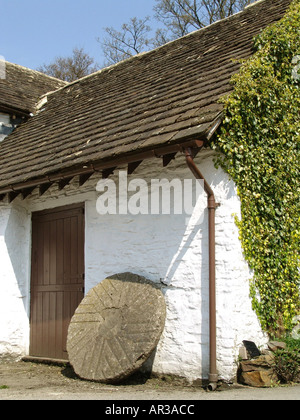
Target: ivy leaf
(259, 144)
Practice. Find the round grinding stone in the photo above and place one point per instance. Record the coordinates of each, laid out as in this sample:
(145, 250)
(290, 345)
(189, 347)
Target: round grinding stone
(116, 328)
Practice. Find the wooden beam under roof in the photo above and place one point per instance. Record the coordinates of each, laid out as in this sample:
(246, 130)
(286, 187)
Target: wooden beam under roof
(84, 178)
(108, 171)
(62, 183)
(26, 192)
(168, 158)
(132, 166)
(13, 195)
(45, 182)
(44, 187)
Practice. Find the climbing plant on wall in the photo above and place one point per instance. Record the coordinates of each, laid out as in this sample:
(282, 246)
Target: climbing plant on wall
(260, 142)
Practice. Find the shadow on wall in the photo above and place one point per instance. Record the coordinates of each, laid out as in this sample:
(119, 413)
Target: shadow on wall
(14, 280)
(188, 269)
(171, 249)
(17, 239)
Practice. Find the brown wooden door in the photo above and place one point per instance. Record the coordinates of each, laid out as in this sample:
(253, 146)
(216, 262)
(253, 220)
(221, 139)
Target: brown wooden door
(57, 278)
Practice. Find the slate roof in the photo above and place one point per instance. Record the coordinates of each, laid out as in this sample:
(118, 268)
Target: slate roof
(22, 88)
(161, 98)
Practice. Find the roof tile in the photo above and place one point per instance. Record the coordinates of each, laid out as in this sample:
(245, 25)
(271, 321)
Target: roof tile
(22, 88)
(162, 97)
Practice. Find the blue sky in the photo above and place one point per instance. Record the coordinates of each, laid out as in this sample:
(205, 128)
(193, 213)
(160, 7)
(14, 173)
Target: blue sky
(34, 32)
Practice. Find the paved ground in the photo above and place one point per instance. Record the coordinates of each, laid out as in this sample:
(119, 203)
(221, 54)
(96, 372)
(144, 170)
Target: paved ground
(30, 381)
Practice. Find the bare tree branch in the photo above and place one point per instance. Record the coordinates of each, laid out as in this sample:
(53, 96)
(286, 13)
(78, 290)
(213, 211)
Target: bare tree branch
(179, 17)
(71, 68)
(130, 40)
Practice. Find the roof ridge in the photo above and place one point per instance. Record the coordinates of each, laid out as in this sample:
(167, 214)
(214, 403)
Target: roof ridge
(29, 70)
(253, 4)
(154, 50)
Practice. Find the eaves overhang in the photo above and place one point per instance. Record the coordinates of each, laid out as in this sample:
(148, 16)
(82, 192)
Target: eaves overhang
(165, 152)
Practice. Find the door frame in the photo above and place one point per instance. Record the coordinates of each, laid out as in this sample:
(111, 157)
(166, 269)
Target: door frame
(37, 214)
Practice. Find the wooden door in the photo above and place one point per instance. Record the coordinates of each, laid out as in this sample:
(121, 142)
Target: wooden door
(57, 278)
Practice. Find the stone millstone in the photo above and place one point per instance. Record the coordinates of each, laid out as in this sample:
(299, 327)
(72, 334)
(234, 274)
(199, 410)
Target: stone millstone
(116, 328)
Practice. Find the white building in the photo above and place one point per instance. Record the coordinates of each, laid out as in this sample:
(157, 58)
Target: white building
(150, 115)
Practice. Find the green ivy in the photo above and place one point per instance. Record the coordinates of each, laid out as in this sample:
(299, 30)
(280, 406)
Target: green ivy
(259, 141)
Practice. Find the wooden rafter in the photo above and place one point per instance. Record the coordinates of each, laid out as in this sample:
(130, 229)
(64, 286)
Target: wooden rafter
(44, 187)
(64, 182)
(13, 195)
(26, 192)
(133, 166)
(168, 158)
(107, 172)
(44, 183)
(84, 178)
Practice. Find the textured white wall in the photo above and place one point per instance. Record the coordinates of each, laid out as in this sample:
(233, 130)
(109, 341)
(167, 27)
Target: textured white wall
(14, 280)
(167, 249)
(7, 124)
(4, 122)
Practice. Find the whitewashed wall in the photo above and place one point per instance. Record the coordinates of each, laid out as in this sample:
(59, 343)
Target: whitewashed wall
(14, 280)
(7, 124)
(167, 249)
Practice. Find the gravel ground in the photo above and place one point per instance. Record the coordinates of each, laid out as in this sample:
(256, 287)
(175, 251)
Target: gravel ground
(31, 381)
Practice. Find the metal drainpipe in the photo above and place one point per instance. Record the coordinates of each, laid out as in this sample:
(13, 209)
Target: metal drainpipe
(212, 205)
